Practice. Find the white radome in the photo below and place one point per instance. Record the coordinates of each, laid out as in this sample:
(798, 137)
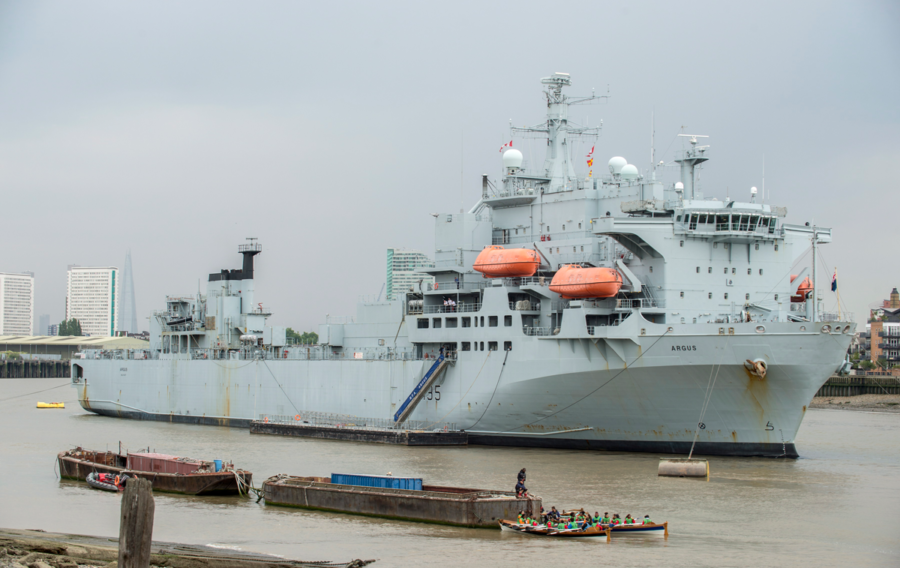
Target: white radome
(512, 158)
(629, 171)
(753, 191)
(616, 164)
(679, 186)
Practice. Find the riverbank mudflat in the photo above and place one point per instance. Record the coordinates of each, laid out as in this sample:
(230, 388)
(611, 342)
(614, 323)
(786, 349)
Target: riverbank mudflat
(38, 549)
(868, 402)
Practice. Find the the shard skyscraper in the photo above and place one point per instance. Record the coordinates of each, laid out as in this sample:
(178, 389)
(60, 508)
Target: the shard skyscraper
(128, 315)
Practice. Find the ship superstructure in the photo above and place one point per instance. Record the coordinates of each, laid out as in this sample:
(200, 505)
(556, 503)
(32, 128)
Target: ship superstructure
(672, 303)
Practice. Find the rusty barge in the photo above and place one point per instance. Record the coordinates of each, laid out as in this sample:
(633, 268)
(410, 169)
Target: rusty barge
(431, 504)
(169, 474)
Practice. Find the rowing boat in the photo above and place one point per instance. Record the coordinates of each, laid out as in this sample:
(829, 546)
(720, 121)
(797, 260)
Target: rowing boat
(658, 529)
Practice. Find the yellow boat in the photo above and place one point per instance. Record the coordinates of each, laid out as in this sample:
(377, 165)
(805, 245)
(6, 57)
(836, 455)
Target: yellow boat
(51, 405)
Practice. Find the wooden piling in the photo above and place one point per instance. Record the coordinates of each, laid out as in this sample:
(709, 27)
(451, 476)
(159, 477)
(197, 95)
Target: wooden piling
(136, 524)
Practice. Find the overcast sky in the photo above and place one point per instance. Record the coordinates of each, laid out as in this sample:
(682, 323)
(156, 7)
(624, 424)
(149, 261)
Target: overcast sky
(331, 130)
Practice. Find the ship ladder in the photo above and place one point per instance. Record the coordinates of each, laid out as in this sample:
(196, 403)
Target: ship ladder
(416, 395)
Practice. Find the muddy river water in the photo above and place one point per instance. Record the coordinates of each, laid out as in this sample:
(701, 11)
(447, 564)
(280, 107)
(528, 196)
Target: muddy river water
(839, 505)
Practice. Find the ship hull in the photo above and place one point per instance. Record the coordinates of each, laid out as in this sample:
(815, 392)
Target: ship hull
(616, 394)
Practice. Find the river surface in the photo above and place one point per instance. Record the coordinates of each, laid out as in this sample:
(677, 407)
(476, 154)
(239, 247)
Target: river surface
(839, 505)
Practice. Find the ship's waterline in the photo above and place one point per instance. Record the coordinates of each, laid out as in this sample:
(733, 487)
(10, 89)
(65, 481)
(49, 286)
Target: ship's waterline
(568, 401)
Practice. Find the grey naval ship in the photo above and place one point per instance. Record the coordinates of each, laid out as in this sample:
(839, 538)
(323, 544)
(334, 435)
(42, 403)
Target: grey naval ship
(610, 312)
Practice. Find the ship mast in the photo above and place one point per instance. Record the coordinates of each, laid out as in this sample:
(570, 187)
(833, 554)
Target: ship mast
(558, 166)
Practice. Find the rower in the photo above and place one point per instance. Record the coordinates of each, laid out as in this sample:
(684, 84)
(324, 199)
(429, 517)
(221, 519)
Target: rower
(605, 519)
(647, 520)
(629, 520)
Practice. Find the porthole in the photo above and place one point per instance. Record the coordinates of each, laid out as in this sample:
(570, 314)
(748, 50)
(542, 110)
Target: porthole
(826, 328)
(802, 328)
(670, 330)
(760, 329)
(847, 329)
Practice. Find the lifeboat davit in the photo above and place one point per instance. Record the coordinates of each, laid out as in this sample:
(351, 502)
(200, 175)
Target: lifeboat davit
(572, 281)
(803, 290)
(498, 262)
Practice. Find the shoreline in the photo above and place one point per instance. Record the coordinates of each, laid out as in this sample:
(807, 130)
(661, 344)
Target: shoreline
(21, 548)
(889, 403)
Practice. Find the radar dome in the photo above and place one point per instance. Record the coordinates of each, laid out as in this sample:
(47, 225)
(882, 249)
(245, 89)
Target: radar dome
(679, 186)
(616, 164)
(512, 158)
(752, 191)
(629, 171)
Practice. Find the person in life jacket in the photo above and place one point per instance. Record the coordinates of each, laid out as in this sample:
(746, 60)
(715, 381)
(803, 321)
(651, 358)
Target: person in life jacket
(521, 518)
(647, 520)
(596, 518)
(629, 520)
(616, 519)
(605, 520)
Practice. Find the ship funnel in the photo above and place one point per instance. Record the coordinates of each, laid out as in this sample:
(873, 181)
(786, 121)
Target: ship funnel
(249, 250)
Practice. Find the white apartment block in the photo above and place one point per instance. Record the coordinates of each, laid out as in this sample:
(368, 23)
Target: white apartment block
(401, 271)
(92, 297)
(16, 304)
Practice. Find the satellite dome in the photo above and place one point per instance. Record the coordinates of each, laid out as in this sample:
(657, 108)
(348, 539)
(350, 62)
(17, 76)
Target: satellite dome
(629, 171)
(679, 186)
(512, 158)
(753, 191)
(616, 164)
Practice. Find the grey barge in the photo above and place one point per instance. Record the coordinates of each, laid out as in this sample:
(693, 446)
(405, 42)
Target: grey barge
(432, 504)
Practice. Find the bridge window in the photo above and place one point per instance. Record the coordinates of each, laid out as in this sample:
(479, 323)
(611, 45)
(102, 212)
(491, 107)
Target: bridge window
(467, 322)
(423, 323)
(492, 345)
(451, 322)
(693, 224)
(754, 222)
(703, 219)
(436, 324)
(466, 346)
(492, 321)
(721, 222)
(507, 321)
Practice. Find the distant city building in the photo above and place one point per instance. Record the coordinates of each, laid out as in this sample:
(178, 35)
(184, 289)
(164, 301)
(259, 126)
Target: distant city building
(401, 271)
(882, 337)
(53, 329)
(92, 297)
(16, 303)
(128, 319)
(43, 325)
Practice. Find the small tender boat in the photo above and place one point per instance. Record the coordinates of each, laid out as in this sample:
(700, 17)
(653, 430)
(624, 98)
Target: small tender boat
(498, 262)
(106, 481)
(572, 282)
(51, 405)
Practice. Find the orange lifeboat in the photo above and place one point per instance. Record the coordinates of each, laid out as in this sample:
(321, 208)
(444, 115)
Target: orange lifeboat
(498, 262)
(803, 290)
(572, 281)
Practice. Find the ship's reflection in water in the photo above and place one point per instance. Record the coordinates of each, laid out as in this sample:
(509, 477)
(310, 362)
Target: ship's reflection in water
(838, 505)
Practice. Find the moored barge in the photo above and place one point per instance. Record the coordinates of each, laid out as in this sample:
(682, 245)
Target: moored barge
(170, 474)
(432, 503)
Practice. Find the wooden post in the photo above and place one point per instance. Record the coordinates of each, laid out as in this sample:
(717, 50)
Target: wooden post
(136, 524)
(608, 534)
